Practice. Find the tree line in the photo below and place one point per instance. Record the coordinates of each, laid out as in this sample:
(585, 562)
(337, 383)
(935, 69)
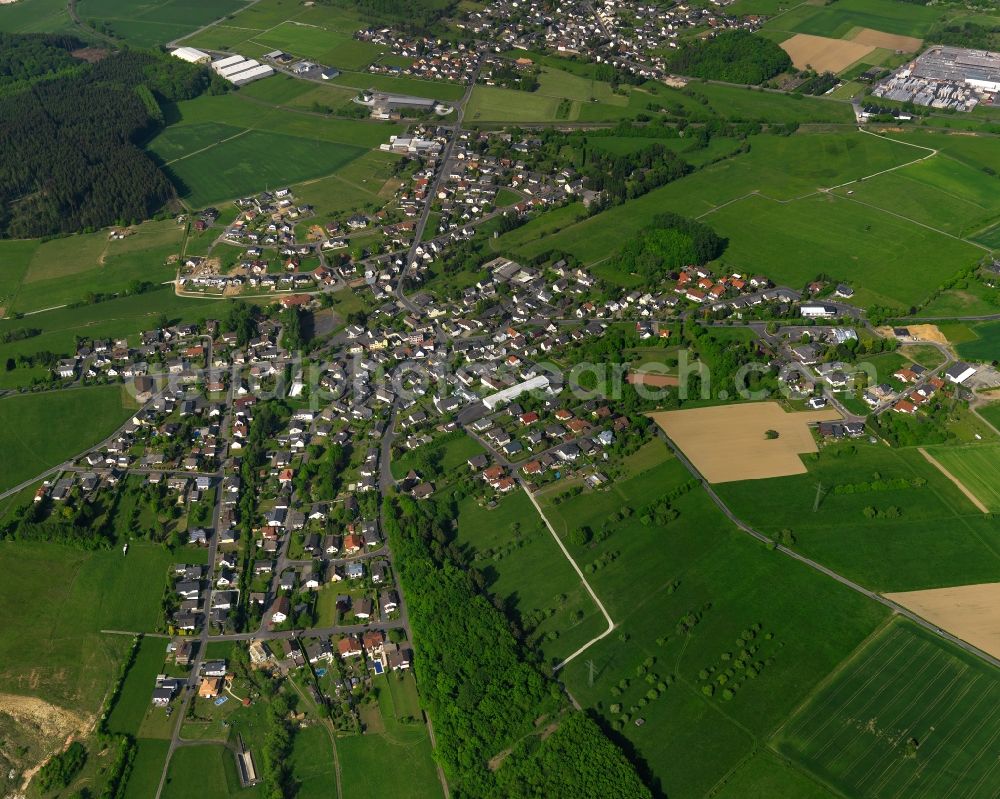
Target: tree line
(480, 690)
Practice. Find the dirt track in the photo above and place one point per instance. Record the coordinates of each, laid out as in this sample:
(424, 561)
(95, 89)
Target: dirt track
(727, 442)
(958, 483)
(972, 612)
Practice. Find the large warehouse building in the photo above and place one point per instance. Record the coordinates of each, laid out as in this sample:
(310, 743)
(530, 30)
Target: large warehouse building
(239, 70)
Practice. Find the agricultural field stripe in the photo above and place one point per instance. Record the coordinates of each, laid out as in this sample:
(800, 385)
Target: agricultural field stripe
(806, 720)
(958, 483)
(961, 750)
(890, 770)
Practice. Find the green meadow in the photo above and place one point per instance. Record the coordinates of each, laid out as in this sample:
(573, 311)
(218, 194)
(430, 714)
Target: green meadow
(906, 19)
(39, 431)
(207, 771)
(769, 205)
(986, 344)
(939, 538)
(134, 700)
(155, 22)
(908, 716)
(35, 16)
(75, 594)
(253, 162)
(394, 756)
(681, 596)
(977, 467)
(66, 270)
(526, 570)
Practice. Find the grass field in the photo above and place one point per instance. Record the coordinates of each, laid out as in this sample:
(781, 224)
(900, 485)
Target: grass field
(940, 538)
(765, 776)
(134, 700)
(207, 771)
(35, 16)
(907, 717)
(321, 33)
(361, 182)
(15, 260)
(252, 162)
(837, 21)
(396, 761)
(942, 192)
(766, 202)
(529, 573)
(312, 763)
(651, 576)
(39, 431)
(991, 413)
(144, 779)
(155, 22)
(65, 270)
(74, 594)
(823, 235)
(986, 345)
(977, 467)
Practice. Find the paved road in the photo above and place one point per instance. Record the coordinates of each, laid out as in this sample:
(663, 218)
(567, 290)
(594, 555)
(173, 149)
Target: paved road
(439, 176)
(893, 606)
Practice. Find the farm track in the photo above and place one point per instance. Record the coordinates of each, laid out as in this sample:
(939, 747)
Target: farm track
(958, 483)
(583, 580)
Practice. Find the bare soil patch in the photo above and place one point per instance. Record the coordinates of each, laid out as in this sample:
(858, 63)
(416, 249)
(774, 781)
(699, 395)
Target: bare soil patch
(886, 41)
(972, 612)
(727, 442)
(652, 379)
(90, 54)
(50, 720)
(824, 54)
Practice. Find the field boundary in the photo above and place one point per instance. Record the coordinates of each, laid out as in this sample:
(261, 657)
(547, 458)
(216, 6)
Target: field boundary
(583, 580)
(958, 483)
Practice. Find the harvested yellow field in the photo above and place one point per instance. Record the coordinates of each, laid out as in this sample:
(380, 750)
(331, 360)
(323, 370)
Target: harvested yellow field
(971, 612)
(728, 442)
(823, 54)
(885, 41)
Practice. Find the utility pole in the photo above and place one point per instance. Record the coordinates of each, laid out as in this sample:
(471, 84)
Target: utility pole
(592, 672)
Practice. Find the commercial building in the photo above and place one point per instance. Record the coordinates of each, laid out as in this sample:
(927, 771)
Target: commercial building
(191, 55)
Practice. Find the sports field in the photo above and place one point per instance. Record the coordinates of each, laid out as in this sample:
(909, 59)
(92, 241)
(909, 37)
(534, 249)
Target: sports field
(728, 442)
(907, 718)
(148, 23)
(977, 467)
